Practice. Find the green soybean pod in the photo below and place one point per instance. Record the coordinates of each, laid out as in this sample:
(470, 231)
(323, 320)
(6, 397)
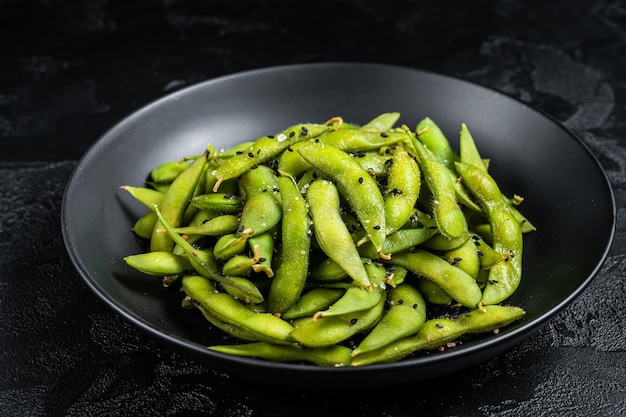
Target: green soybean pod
(167, 172)
(382, 122)
(335, 356)
(465, 257)
(331, 233)
(431, 135)
(506, 234)
(216, 226)
(456, 282)
(268, 147)
(448, 215)
(327, 331)
(374, 163)
(405, 317)
(219, 203)
(356, 298)
(204, 264)
(327, 270)
(468, 152)
(175, 203)
(144, 226)
(146, 196)
(398, 241)
(229, 310)
(433, 292)
(263, 247)
(261, 212)
(403, 186)
(355, 184)
(312, 301)
(438, 332)
(259, 179)
(158, 263)
(292, 271)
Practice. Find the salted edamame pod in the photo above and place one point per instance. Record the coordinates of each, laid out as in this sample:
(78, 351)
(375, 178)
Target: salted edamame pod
(456, 282)
(175, 202)
(506, 234)
(158, 263)
(228, 309)
(437, 332)
(330, 231)
(449, 217)
(405, 317)
(327, 331)
(403, 186)
(336, 355)
(268, 147)
(292, 271)
(355, 184)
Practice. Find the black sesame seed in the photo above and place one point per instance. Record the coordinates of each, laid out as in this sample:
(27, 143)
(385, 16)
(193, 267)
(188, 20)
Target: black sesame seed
(353, 321)
(384, 134)
(492, 281)
(290, 149)
(239, 152)
(291, 134)
(415, 305)
(250, 154)
(400, 301)
(360, 180)
(262, 260)
(376, 227)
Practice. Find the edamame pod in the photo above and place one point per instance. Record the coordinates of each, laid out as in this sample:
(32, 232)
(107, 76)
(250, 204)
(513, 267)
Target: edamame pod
(403, 186)
(175, 202)
(219, 203)
(433, 138)
(437, 332)
(405, 317)
(356, 185)
(227, 309)
(266, 148)
(327, 331)
(205, 265)
(448, 215)
(312, 301)
(331, 232)
(454, 281)
(356, 298)
(167, 172)
(216, 226)
(261, 212)
(329, 356)
(292, 271)
(158, 263)
(506, 234)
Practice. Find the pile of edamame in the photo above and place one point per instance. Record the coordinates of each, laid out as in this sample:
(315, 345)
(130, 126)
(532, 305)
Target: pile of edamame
(334, 243)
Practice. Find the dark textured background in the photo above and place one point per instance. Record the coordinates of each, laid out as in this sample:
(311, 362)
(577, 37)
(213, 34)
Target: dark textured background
(69, 70)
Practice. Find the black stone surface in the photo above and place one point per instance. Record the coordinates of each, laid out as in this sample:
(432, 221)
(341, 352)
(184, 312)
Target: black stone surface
(69, 70)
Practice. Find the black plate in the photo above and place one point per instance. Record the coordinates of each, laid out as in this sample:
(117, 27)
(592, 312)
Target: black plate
(531, 155)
